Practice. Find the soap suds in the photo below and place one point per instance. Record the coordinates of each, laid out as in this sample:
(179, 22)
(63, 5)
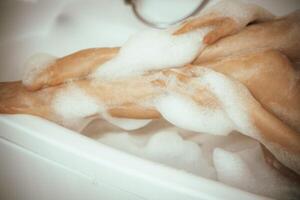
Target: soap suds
(35, 65)
(184, 113)
(233, 113)
(234, 97)
(153, 50)
(73, 104)
(166, 147)
(126, 124)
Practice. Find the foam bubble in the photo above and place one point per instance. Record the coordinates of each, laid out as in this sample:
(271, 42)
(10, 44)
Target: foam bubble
(152, 50)
(73, 104)
(35, 65)
(184, 113)
(165, 146)
(126, 124)
(232, 113)
(234, 97)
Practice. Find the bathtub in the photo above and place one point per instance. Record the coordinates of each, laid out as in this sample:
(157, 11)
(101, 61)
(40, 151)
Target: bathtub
(42, 160)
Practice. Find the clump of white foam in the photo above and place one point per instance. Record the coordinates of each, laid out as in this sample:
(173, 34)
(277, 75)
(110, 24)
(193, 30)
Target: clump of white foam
(231, 114)
(165, 146)
(73, 104)
(248, 170)
(185, 113)
(124, 123)
(35, 65)
(76, 109)
(234, 97)
(233, 142)
(153, 50)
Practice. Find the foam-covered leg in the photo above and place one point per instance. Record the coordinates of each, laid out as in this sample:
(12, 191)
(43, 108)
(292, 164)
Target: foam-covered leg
(209, 90)
(68, 104)
(271, 78)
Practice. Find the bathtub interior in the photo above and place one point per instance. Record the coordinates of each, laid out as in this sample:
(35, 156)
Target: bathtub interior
(62, 27)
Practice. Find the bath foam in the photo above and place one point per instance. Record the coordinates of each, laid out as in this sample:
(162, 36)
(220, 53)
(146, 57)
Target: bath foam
(165, 146)
(169, 148)
(126, 124)
(124, 141)
(248, 170)
(153, 50)
(72, 104)
(75, 106)
(232, 142)
(234, 99)
(184, 113)
(35, 65)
